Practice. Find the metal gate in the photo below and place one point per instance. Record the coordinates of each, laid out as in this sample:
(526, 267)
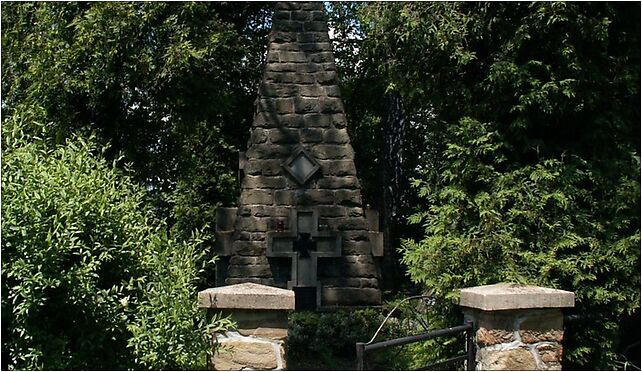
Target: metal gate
(468, 356)
(467, 329)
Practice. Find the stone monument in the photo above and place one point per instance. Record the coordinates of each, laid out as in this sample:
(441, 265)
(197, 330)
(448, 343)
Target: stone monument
(300, 223)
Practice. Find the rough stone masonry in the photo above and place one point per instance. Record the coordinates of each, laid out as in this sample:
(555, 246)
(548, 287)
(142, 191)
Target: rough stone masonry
(300, 219)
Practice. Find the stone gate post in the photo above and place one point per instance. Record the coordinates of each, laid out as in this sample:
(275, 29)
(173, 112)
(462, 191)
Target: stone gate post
(261, 316)
(519, 327)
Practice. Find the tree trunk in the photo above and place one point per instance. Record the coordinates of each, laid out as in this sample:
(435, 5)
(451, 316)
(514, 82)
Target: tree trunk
(394, 130)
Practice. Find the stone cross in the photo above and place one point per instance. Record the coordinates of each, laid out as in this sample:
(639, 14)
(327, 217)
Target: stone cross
(304, 244)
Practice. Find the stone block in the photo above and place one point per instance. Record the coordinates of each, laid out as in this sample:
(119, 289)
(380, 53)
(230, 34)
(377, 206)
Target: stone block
(223, 245)
(278, 90)
(242, 354)
(351, 247)
(332, 211)
(272, 324)
(258, 236)
(347, 223)
(327, 78)
(247, 296)
(314, 197)
(315, 26)
(263, 167)
(486, 337)
(262, 182)
(281, 14)
(338, 167)
(350, 296)
(333, 182)
(376, 243)
(351, 198)
(311, 135)
(313, 91)
(278, 105)
(225, 219)
(531, 337)
(290, 120)
(244, 235)
(282, 37)
(372, 215)
(312, 37)
(245, 271)
(285, 197)
(301, 16)
(281, 67)
(355, 235)
(248, 248)
(339, 120)
(256, 197)
(265, 120)
(315, 47)
(245, 211)
(354, 212)
(514, 296)
(369, 283)
(287, 25)
(252, 224)
(517, 359)
(269, 211)
(257, 136)
(318, 16)
(312, 5)
(262, 281)
(342, 282)
(289, 77)
(287, 5)
(316, 121)
(333, 152)
(346, 268)
(284, 136)
(550, 353)
(248, 260)
(332, 91)
(320, 57)
(265, 332)
(268, 151)
(306, 105)
(339, 136)
(331, 105)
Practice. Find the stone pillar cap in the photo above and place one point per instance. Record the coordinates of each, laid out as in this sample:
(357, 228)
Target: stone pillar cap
(246, 296)
(506, 296)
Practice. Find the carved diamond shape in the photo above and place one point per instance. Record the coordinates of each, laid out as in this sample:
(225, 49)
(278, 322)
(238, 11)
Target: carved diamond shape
(301, 166)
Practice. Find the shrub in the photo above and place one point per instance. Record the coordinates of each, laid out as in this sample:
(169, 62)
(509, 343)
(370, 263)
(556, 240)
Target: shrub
(90, 280)
(557, 224)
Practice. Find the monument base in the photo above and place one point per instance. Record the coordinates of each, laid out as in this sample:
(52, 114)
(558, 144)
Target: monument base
(305, 297)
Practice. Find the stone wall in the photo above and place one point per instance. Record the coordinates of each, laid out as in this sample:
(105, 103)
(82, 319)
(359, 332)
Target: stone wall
(299, 106)
(260, 313)
(518, 327)
(519, 340)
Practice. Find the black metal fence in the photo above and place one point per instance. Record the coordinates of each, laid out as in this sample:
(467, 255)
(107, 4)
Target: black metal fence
(468, 356)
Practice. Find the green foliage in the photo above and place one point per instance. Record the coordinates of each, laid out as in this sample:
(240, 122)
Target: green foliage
(531, 117)
(86, 272)
(326, 341)
(170, 86)
(320, 341)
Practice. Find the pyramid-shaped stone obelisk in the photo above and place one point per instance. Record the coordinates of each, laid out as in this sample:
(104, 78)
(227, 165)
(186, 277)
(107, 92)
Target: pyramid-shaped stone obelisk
(300, 222)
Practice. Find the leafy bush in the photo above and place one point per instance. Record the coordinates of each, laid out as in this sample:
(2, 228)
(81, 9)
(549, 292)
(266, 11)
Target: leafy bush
(543, 224)
(89, 279)
(530, 117)
(326, 340)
